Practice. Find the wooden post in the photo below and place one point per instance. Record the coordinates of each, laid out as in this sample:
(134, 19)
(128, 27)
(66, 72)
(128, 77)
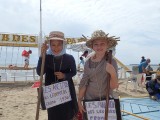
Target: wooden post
(34, 74)
(108, 86)
(41, 81)
(26, 73)
(141, 117)
(14, 77)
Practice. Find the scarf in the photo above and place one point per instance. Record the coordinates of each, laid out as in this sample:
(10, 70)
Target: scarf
(50, 52)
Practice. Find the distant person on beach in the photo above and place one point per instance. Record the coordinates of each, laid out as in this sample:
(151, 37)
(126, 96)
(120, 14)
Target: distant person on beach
(149, 68)
(142, 66)
(97, 69)
(143, 59)
(81, 61)
(153, 88)
(148, 73)
(26, 55)
(85, 53)
(158, 69)
(59, 67)
(83, 57)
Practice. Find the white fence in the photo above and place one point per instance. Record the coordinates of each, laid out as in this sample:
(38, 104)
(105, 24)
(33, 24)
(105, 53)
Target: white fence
(18, 75)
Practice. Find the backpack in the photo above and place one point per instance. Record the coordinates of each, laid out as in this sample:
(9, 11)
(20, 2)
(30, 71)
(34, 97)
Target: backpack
(25, 53)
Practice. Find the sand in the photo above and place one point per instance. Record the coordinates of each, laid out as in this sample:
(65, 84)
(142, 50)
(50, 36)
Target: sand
(19, 101)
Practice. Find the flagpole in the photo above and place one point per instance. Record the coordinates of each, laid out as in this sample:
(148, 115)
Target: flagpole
(40, 33)
(42, 66)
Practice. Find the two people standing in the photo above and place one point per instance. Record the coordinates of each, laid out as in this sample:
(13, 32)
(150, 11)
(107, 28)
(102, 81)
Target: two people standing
(60, 66)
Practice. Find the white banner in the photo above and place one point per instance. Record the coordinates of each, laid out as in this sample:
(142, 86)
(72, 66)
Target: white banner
(28, 39)
(56, 94)
(96, 110)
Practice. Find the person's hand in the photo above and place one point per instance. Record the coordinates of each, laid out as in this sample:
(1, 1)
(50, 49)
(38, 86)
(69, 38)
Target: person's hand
(81, 108)
(44, 47)
(59, 75)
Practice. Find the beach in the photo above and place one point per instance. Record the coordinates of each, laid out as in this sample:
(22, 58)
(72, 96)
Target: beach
(18, 101)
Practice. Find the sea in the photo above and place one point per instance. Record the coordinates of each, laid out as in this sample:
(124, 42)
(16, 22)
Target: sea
(13, 56)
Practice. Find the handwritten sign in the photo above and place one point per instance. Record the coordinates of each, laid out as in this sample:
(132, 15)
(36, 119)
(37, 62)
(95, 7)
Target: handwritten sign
(96, 110)
(56, 94)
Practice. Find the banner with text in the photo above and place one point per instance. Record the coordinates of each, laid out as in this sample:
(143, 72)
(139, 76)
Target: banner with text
(96, 110)
(56, 94)
(28, 40)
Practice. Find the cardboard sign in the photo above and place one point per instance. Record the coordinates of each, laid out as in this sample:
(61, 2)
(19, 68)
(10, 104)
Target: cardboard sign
(56, 94)
(96, 110)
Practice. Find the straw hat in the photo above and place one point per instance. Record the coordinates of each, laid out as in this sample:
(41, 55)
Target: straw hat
(101, 35)
(56, 35)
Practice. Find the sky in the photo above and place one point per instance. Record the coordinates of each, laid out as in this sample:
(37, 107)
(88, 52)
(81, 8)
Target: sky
(136, 22)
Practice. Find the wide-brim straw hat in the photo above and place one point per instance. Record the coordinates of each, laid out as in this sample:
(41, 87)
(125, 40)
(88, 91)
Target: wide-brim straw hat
(56, 35)
(101, 35)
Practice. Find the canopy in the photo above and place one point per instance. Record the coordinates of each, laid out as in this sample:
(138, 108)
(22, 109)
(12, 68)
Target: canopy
(78, 47)
(81, 47)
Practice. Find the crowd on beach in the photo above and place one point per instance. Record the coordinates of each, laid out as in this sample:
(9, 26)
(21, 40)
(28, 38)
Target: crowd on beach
(152, 82)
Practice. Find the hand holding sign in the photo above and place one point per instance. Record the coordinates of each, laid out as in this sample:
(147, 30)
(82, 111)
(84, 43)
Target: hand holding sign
(59, 75)
(96, 110)
(56, 94)
(81, 108)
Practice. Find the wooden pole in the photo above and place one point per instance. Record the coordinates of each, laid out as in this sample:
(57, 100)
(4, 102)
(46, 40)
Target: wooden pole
(108, 86)
(41, 81)
(42, 65)
(135, 115)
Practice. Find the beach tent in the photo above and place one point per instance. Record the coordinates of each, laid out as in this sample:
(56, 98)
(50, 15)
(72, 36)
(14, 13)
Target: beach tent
(78, 47)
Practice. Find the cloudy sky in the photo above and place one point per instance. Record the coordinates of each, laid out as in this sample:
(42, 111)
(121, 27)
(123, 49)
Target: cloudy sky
(136, 22)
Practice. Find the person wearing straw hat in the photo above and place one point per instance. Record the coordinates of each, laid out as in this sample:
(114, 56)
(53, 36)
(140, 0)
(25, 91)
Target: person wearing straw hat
(59, 66)
(93, 85)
